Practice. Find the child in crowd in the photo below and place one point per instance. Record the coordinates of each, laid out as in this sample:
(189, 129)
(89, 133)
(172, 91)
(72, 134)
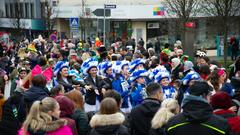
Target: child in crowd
(164, 79)
(138, 93)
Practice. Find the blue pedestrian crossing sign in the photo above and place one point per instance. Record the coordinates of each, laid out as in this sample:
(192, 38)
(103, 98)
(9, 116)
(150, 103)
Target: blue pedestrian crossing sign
(74, 22)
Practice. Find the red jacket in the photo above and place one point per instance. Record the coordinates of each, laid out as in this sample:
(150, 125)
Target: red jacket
(232, 118)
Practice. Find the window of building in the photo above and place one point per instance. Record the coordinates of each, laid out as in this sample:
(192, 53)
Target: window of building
(17, 12)
(54, 3)
(27, 10)
(21, 10)
(7, 10)
(32, 10)
(11, 10)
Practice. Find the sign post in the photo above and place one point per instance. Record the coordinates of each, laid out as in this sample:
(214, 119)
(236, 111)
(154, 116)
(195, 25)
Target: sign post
(74, 27)
(104, 21)
(106, 11)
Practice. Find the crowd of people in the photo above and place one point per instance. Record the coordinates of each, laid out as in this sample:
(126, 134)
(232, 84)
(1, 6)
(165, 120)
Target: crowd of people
(63, 88)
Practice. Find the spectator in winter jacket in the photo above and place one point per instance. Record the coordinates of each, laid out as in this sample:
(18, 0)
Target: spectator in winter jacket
(43, 119)
(37, 91)
(221, 103)
(67, 110)
(108, 121)
(141, 116)
(176, 69)
(14, 113)
(169, 108)
(197, 117)
(79, 115)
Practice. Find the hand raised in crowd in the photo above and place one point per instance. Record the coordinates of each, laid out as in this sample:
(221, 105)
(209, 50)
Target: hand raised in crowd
(88, 87)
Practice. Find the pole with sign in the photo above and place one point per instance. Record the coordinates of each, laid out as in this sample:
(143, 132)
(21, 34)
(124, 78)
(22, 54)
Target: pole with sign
(104, 20)
(104, 25)
(74, 27)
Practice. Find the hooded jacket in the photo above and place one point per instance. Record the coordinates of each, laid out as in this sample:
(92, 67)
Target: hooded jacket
(141, 116)
(67, 110)
(232, 119)
(56, 127)
(111, 124)
(197, 118)
(34, 94)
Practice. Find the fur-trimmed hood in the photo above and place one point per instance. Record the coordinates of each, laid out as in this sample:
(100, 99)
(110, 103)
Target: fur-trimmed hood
(54, 125)
(50, 126)
(107, 119)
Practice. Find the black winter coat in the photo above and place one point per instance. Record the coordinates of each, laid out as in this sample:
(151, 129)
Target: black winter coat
(34, 94)
(90, 97)
(197, 118)
(14, 114)
(141, 116)
(68, 86)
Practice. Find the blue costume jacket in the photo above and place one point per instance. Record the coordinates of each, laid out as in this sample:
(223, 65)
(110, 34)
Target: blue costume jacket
(138, 94)
(122, 87)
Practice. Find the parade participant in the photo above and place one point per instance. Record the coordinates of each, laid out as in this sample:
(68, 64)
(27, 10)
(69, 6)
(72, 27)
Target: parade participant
(43, 118)
(61, 71)
(164, 79)
(95, 90)
(141, 116)
(138, 92)
(187, 81)
(108, 121)
(106, 71)
(136, 64)
(121, 84)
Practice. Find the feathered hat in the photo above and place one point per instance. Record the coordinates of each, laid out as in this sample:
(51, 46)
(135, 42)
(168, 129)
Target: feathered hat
(138, 73)
(88, 64)
(155, 71)
(118, 66)
(59, 66)
(135, 63)
(103, 66)
(162, 75)
(192, 75)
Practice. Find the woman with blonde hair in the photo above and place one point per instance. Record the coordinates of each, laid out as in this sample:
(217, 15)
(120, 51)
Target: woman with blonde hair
(43, 119)
(168, 109)
(79, 115)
